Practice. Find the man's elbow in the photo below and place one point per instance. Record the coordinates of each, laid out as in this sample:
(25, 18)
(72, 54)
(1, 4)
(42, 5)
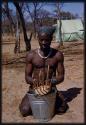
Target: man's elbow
(26, 79)
(61, 79)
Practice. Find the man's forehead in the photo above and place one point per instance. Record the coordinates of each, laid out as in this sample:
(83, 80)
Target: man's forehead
(46, 30)
(43, 34)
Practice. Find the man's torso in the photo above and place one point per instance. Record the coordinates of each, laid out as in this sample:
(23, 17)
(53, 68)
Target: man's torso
(45, 67)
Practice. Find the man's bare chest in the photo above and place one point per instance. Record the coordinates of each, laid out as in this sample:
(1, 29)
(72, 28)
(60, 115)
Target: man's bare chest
(46, 66)
(43, 63)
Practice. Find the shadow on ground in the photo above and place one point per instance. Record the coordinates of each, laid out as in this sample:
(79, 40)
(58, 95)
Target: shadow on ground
(71, 93)
(62, 106)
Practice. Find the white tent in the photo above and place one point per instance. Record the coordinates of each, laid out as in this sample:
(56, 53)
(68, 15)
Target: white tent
(71, 30)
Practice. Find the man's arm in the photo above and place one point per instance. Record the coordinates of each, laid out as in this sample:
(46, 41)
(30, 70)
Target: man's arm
(60, 71)
(29, 68)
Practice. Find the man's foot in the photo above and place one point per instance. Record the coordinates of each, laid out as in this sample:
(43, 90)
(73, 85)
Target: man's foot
(62, 109)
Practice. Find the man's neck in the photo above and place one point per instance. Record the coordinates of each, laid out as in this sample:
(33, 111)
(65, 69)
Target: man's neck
(45, 51)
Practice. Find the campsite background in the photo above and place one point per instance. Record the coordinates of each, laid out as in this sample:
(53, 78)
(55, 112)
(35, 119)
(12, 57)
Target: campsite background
(20, 22)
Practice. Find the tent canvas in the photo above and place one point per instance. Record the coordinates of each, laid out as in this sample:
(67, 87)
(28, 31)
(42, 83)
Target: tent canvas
(71, 30)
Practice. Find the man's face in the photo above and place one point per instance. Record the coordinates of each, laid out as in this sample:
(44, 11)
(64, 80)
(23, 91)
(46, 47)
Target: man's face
(44, 41)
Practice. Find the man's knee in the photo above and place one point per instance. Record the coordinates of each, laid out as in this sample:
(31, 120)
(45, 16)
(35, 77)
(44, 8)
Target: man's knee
(25, 111)
(24, 107)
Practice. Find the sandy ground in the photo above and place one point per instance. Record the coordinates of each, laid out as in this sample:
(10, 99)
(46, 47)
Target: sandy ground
(14, 86)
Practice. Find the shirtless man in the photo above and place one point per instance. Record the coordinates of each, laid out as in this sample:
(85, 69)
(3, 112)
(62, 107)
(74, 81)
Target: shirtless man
(39, 59)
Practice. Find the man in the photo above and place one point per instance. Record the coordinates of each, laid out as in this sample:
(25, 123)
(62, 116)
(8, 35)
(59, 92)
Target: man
(39, 60)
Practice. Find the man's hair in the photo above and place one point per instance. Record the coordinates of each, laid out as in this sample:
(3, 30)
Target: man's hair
(49, 30)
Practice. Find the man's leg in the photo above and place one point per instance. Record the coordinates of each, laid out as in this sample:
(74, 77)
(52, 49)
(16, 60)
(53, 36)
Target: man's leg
(61, 106)
(24, 107)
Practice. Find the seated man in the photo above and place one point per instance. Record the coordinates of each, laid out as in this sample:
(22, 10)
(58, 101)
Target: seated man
(51, 64)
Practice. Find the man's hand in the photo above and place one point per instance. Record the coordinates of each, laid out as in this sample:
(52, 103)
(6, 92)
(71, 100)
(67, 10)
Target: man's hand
(52, 81)
(35, 83)
(41, 88)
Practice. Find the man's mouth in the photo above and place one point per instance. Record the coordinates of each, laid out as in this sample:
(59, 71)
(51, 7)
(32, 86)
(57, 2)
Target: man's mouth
(44, 46)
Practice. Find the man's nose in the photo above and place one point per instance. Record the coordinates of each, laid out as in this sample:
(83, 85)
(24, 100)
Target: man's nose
(43, 42)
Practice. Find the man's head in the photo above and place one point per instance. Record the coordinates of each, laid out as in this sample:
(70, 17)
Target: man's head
(45, 35)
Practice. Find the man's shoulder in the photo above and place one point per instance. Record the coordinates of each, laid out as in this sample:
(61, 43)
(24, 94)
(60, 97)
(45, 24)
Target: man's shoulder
(31, 52)
(58, 54)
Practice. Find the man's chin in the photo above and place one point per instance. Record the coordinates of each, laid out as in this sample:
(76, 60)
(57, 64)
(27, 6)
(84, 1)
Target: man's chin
(45, 48)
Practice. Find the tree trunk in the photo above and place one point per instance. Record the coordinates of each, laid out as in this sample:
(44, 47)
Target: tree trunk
(60, 26)
(27, 41)
(34, 25)
(17, 43)
(6, 10)
(35, 21)
(60, 33)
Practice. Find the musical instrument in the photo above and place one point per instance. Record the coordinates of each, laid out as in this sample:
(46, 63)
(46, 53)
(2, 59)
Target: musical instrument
(42, 88)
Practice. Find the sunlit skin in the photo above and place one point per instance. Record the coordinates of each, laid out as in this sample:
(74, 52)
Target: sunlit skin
(34, 63)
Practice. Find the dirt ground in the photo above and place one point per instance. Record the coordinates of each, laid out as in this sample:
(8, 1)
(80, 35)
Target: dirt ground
(14, 86)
